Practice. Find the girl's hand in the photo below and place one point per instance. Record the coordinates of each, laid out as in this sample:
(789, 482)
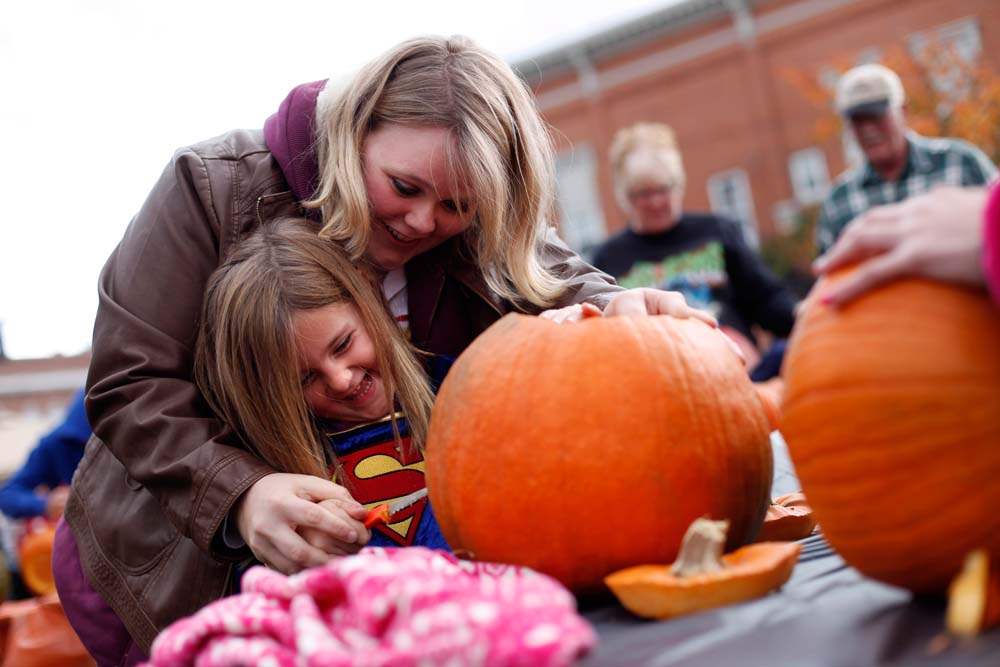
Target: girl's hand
(649, 301)
(273, 511)
(331, 545)
(934, 235)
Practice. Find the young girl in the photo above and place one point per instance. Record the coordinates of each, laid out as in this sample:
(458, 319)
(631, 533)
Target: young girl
(297, 354)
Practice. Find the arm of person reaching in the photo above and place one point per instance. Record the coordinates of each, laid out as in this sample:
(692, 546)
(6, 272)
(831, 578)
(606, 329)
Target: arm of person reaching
(584, 283)
(948, 234)
(50, 464)
(758, 295)
(141, 400)
(18, 496)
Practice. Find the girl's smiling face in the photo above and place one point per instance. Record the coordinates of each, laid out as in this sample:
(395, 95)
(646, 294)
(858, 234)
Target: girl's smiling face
(416, 200)
(338, 366)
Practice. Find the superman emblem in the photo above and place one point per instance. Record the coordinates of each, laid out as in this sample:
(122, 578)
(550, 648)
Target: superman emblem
(379, 473)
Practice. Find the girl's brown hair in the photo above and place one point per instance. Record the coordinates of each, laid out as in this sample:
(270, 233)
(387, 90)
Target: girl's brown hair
(501, 152)
(246, 360)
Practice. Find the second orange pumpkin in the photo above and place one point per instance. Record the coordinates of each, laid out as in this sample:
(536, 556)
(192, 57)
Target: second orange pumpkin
(892, 417)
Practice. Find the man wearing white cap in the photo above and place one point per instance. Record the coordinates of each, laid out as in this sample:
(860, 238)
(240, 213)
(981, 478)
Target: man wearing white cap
(898, 162)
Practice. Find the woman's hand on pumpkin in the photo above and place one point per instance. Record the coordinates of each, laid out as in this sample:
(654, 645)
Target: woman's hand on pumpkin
(934, 235)
(649, 301)
(574, 313)
(272, 514)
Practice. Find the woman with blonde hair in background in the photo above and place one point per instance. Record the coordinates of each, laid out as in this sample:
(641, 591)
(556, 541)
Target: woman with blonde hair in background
(702, 255)
(433, 167)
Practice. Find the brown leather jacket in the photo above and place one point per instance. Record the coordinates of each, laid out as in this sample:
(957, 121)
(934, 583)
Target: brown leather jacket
(161, 473)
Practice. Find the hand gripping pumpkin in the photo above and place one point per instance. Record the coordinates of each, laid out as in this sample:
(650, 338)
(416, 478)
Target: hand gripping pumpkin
(892, 417)
(580, 449)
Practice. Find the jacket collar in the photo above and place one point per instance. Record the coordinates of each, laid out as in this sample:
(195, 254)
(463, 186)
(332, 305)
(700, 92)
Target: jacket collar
(425, 280)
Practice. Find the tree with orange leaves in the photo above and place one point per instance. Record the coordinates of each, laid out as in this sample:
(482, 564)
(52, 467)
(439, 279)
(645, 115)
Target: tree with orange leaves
(947, 94)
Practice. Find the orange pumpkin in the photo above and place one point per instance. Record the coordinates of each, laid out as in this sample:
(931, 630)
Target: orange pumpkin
(769, 392)
(35, 554)
(892, 417)
(788, 518)
(580, 449)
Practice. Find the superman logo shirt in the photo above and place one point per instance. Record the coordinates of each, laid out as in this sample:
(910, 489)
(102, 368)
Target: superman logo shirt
(376, 469)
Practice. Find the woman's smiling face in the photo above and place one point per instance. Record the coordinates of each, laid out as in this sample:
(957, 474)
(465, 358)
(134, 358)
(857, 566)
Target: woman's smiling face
(416, 201)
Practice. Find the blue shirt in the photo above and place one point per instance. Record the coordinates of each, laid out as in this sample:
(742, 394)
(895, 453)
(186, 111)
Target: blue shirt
(376, 469)
(51, 463)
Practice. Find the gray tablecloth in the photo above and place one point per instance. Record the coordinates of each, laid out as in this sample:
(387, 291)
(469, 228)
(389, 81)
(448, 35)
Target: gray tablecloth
(827, 615)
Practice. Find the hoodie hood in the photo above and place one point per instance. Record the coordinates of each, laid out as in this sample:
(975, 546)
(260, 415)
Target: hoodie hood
(289, 135)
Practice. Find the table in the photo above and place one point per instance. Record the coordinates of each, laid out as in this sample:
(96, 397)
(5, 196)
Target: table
(826, 615)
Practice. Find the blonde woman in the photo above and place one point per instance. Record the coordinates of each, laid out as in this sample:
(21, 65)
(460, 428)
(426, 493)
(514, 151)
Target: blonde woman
(702, 255)
(433, 166)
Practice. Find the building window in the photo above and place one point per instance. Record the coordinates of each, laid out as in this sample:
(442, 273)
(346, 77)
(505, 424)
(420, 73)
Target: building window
(581, 220)
(729, 195)
(810, 178)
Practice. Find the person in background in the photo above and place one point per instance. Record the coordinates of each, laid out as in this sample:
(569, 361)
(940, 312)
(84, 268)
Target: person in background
(40, 486)
(702, 255)
(949, 234)
(898, 163)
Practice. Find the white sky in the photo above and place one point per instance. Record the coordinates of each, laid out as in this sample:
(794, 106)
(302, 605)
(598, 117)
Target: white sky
(96, 96)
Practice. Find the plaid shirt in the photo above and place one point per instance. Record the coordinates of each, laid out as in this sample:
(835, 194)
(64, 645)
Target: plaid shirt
(929, 162)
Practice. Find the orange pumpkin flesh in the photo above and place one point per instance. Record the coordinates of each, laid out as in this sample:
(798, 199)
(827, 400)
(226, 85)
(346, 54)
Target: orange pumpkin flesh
(579, 449)
(788, 518)
(657, 591)
(892, 418)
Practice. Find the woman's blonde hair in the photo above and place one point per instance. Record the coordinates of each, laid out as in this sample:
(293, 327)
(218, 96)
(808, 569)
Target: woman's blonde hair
(501, 152)
(246, 356)
(660, 156)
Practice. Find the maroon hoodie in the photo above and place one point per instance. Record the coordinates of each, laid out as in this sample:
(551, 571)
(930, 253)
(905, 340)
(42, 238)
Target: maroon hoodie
(289, 134)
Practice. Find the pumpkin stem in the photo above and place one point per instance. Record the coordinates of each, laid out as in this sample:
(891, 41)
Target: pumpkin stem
(974, 597)
(701, 548)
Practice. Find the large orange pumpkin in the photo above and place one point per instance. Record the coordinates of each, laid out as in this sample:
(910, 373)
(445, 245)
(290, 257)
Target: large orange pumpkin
(580, 449)
(892, 417)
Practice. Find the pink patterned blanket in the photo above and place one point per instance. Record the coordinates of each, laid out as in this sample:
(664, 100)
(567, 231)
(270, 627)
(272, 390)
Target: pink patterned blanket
(384, 606)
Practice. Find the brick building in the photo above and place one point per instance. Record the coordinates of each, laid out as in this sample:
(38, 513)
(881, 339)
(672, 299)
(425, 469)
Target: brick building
(716, 71)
